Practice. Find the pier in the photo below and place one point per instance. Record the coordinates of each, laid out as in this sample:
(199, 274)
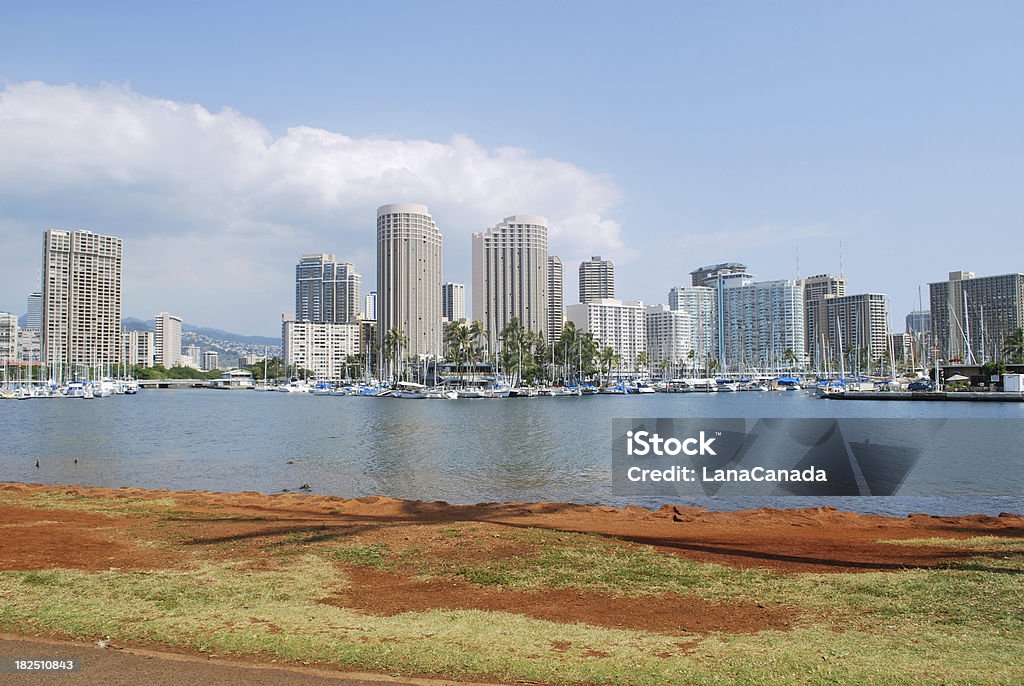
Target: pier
(978, 396)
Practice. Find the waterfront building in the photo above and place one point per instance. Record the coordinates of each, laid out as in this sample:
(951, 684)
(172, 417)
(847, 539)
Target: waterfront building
(139, 348)
(326, 291)
(816, 289)
(760, 325)
(370, 306)
(30, 345)
(211, 361)
(972, 316)
(699, 303)
(167, 340)
(621, 326)
(597, 280)
(705, 275)
(510, 275)
(857, 325)
(322, 349)
(34, 311)
(453, 301)
(192, 357)
(669, 340)
(409, 264)
(8, 338)
(902, 345)
(81, 299)
(556, 299)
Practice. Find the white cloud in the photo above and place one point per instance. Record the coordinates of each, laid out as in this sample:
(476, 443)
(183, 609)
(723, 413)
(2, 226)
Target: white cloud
(214, 209)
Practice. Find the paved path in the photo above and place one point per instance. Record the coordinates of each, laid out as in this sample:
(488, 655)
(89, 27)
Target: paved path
(137, 667)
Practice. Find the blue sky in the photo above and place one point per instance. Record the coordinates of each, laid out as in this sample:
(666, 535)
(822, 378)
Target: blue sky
(698, 132)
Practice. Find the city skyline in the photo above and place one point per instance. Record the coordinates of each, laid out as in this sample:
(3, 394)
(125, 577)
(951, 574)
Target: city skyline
(798, 139)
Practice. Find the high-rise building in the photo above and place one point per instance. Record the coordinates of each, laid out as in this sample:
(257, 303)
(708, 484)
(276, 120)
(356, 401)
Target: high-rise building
(556, 298)
(816, 289)
(34, 313)
(326, 291)
(510, 275)
(453, 301)
(139, 348)
(322, 349)
(370, 306)
(699, 303)
(81, 299)
(409, 263)
(670, 340)
(972, 316)
(167, 340)
(8, 338)
(919, 322)
(704, 275)
(760, 324)
(856, 325)
(192, 357)
(597, 279)
(616, 325)
(211, 360)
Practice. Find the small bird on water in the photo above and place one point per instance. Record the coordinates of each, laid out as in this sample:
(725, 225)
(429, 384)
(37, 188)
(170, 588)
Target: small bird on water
(37, 464)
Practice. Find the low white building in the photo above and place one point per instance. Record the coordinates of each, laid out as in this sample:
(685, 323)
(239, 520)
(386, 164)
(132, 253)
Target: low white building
(320, 348)
(615, 324)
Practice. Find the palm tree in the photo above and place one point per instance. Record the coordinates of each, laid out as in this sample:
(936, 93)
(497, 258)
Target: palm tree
(1013, 346)
(394, 340)
(607, 359)
(642, 360)
(788, 357)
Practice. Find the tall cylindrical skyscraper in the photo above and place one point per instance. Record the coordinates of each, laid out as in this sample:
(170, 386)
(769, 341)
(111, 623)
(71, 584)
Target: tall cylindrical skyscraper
(409, 261)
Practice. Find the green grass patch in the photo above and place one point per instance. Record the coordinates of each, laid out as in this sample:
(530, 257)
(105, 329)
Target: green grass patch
(112, 506)
(994, 543)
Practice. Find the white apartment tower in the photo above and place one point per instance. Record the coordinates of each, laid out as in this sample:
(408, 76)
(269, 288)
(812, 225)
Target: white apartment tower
(323, 349)
(556, 298)
(615, 324)
(167, 340)
(8, 338)
(370, 306)
(453, 301)
(670, 340)
(81, 299)
(760, 324)
(139, 348)
(510, 275)
(409, 264)
(326, 291)
(597, 280)
(699, 303)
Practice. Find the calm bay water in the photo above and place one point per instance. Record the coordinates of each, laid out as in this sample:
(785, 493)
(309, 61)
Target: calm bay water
(462, 451)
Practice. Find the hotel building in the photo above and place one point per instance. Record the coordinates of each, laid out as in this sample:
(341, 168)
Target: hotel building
(972, 316)
(615, 324)
(326, 291)
(597, 280)
(167, 340)
(510, 276)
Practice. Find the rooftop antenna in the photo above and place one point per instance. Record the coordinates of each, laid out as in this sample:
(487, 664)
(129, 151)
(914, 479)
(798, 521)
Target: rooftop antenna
(840, 257)
(797, 261)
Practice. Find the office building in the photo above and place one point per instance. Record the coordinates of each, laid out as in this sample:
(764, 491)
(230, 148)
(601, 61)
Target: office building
(139, 348)
(616, 325)
(670, 340)
(760, 325)
(919, 322)
(705, 275)
(409, 263)
(510, 276)
(321, 349)
(167, 340)
(597, 280)
(972, 316)
(453, 301)
(699, 303)
(30, 345)
(81, 299)
(556, 299)
(34, 312)
(327, 291)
